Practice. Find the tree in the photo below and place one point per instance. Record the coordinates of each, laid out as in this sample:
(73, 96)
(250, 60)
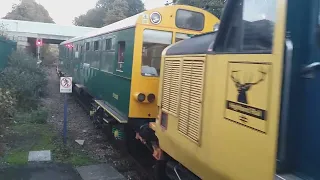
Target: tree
(109, 11)
(3, 30)
(93, 18)
(29, 10)
(213, 6)
(135, 7)
(117, 11)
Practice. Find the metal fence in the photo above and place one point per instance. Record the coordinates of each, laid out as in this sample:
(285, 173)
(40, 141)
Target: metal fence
(6, 48)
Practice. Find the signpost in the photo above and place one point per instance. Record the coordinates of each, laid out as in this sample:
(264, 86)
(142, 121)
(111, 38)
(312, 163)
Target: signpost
(65, 88)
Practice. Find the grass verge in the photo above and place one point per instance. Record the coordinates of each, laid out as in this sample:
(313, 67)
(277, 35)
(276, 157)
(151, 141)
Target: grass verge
(30, 132)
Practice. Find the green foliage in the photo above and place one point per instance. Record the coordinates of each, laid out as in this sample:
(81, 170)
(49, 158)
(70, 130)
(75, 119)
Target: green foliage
(38, 116)
(7, 104)
(24, 78)
(28, 136)
(3, 30)
(213, 6)
(93, 18)
(29, 10)
(135, 7)
(109, 11)
(17, 157)
(50, 53)
(116, 11)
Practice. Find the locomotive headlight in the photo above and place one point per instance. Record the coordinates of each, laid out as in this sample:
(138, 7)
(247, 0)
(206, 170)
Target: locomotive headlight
(155, 18)
(141, 97)
(151, 97)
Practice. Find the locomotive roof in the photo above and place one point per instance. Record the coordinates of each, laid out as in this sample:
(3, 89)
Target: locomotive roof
(198, 44)
(123, 24)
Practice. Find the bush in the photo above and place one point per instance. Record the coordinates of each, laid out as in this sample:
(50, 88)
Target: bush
(38, 116)
(24, 78)
(7, 104)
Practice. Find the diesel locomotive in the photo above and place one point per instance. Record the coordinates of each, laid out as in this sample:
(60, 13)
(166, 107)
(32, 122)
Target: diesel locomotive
(242, 103)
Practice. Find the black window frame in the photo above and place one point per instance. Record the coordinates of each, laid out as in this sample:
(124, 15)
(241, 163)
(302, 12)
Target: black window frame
(120, 67)
(108, 48)
(87, 44)
(219, 47)
(96, 45)
(203, 23)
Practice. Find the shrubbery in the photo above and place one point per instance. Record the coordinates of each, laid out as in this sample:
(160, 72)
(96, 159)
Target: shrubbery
(7, 104)
(21, 83)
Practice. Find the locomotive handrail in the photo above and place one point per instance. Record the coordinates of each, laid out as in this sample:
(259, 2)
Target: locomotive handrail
(284, 117)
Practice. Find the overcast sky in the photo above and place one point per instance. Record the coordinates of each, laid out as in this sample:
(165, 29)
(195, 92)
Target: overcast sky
(64, 11)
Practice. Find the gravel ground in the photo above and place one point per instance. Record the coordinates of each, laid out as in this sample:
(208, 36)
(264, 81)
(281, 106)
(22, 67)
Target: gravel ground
(80, 127)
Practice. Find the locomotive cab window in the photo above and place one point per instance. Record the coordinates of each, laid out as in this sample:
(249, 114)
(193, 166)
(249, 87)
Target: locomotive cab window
(121, 51)
(191, 20)
(154, 42)
(249, 29)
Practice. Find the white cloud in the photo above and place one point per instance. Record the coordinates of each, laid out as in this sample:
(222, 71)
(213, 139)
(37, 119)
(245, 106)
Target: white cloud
(64, 11)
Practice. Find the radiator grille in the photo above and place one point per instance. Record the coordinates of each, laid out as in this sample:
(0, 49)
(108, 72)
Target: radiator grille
(182, 94)
(171, 86)
(191, 99)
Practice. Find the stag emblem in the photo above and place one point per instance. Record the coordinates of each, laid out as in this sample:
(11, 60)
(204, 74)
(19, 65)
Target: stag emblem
(242, 88)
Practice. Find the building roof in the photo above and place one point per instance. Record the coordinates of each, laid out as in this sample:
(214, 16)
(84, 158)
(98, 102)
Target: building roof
(44, 28)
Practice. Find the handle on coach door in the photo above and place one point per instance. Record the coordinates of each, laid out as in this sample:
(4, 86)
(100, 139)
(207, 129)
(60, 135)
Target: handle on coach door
(309, 70)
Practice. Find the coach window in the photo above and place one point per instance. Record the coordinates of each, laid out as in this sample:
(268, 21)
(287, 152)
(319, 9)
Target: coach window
(81, 48)
(154, 42)
(108, 44)
(249, 29)
(96, 46)
(87, 46)
(121, 53)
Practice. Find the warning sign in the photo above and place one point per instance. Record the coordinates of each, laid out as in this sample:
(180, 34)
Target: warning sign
(66, 85)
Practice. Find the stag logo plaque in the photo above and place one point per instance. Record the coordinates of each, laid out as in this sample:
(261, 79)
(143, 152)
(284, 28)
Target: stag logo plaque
(247, 94)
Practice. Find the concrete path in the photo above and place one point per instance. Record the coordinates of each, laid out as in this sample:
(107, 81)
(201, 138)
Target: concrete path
(40, 171)
(53, 171)
(99, 172)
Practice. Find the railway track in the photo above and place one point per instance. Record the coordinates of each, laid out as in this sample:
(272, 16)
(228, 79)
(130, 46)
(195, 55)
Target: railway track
(139, 155)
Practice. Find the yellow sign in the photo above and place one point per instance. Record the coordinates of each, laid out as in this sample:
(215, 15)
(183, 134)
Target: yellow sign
(247, 98)
(145, 18)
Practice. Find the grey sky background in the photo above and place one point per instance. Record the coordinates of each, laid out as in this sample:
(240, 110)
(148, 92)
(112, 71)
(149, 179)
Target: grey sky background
(64, 11)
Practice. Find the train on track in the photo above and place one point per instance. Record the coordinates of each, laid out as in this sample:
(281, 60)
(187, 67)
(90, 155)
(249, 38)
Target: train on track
(238, 103)
(116, 68)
